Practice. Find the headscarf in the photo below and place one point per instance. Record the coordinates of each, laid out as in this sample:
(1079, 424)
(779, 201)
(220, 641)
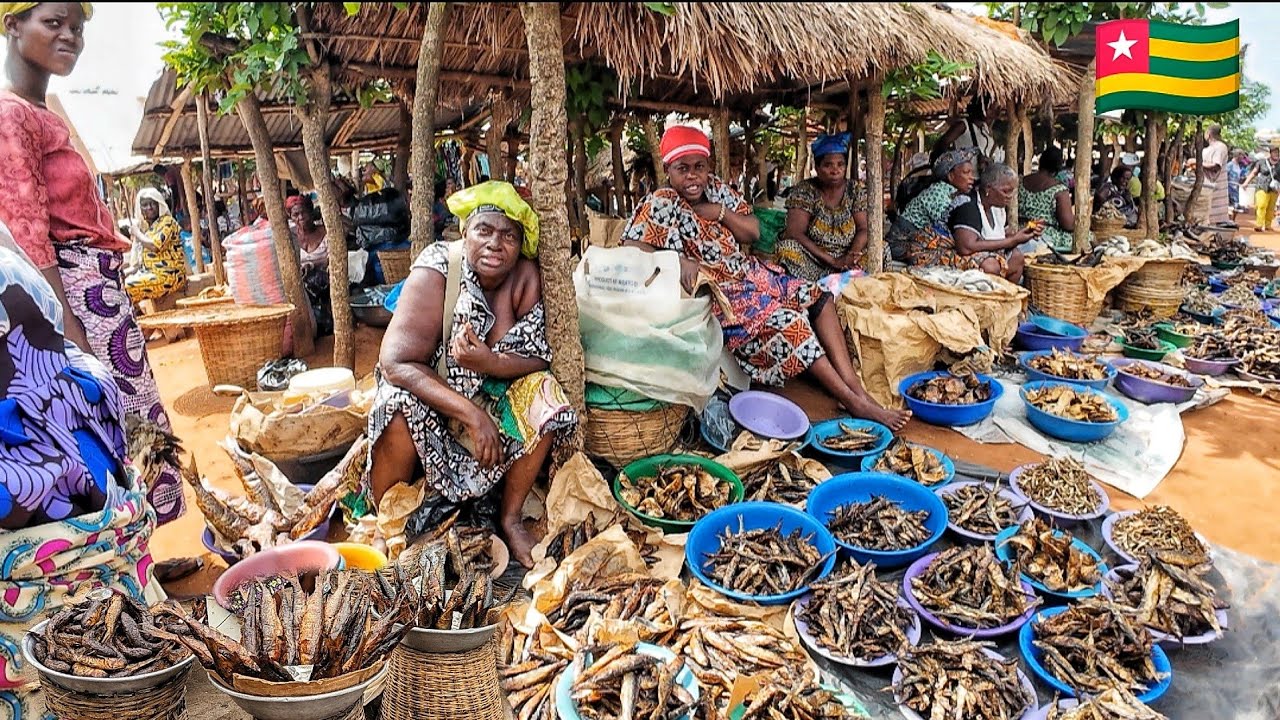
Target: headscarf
(831, 144)
(951, 160)
(500, 197)
(681, 140)
(295, 200)
(919, 161)
(7, 9)
(154, 195)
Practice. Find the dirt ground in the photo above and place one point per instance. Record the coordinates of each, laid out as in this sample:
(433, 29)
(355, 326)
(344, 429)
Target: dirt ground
(1226, 475)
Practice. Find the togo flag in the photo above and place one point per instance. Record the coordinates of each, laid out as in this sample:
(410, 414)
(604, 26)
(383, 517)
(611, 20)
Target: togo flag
(1151, 65)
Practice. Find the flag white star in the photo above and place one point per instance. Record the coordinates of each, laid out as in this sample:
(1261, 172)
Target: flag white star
(1123, 46)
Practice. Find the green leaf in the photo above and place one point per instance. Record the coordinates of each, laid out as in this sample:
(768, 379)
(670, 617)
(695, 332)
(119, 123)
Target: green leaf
(662, 8)
(352, 8)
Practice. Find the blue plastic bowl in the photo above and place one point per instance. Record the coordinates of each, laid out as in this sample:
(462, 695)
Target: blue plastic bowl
(1217, 284)
(1213, 319)
(860, 487)
(1071, 430)
(393, 297)
(831, 428)
(1054, 326)
(1006, 555)
(949, 415)
(1030, 337)
(1033, 656)
(1033, 374)
(568, 709)
(869, 465)
(704, 538)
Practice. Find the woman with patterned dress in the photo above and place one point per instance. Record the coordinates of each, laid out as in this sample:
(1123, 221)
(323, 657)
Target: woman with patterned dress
(52, 207)
(1047, 200)
(826, 228)
(164, 266)
(777, 326)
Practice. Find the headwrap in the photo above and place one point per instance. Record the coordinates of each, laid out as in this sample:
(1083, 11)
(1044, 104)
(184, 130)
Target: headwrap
(828, 144)
(919, 161)
(155, 196)
(294, 200)
(13, 8)
(681, 140)
(500, 197)
(951, 160)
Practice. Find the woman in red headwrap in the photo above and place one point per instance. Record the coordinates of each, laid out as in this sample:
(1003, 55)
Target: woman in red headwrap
(779, 326)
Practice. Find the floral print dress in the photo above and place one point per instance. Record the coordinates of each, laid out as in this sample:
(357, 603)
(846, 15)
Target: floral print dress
(164, 268)
(832, 229)
(1043, 206)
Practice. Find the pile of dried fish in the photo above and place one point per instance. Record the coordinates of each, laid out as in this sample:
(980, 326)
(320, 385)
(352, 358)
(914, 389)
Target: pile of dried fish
(851, 439)
(912, 461)
(968, 587)
(1114, 704)
(1060, 363)
(1201, 302)
(856, 616)
(1159, 527)
(1072, 404)
(1052, 559)
(1252, 318)
(422, 579)
(678, 492)
(106, 635)
(1094, 645)
(956, 679)
(764, 562)
(529, 666)
(951, 389)
(624, 597)
(624, 683)
(1264, 363)
(1240, 296)
(572, 537)
(469, 548)
(1190, 328)
(1210, 346)
(1155, 374)
(1193, 275)
(1168, 593)
(1247, 278)
(980, 509)
(879, 524)
(1144, 338)
(1060, 484)
(775, 482)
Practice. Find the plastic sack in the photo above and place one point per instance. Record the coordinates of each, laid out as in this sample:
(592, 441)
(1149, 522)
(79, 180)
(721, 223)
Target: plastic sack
(253, 271)
(640, 333)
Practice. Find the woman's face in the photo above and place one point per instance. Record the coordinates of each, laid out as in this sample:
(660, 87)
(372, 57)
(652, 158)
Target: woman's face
(300, 217)
(831, 168)
(962, 176)
(688, 176)
(1000, 194)
(150, 211)
(493, 245)
(1125, 177)
(50, 38)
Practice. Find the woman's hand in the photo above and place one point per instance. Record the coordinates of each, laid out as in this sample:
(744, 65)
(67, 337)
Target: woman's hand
(708, 210)
(470, 352)
(485, 440)
(849, 260)
(689, 270)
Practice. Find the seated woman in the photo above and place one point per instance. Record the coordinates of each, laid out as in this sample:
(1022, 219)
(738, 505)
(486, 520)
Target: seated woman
(780, 326)
(311, 241)
(1115, 193)
(996, 189)
(826, 228)
(956, 239)
(163, 269)
(477, 407)
(1047, 200)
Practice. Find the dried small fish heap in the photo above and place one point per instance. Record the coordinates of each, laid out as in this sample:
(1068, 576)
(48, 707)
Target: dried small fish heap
(968, 587)
(1168, 593)
(1210, 347)
(1201, 302)
(678, 492)
(856, 616)
(1060, 363)
(1052, 559)
(1114, 704)
(980, 509)
(1060, 484)
(851, 439)
(1247, 278)
(528, 674)
(1240, 296)
(623, 683)
(572, 537)
(967, 389)
(912, 461)
(1094, 645)
(879, 524)
(625, 597)
(469, 548)
(1144, 338)
(764, 562)
(1155, 374)
(1191, 329)
(1159, 527)
(775, 482)
(1072, 404)
(1264, 362)
(106, 637)
(421, 579)
(956, 679)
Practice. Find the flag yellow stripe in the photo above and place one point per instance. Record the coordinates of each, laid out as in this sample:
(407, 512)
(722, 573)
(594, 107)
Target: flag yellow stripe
(1142, 82)
(1195, 51)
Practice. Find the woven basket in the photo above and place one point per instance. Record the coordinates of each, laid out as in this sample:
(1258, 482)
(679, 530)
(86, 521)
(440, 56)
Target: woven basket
(1103, 226)
(1059, 292)
(444, 686)
(395, 265)
(167, 701)
(1158, 274)
(235, 340)
(197, 302)
(620, 436)
(1161, 302)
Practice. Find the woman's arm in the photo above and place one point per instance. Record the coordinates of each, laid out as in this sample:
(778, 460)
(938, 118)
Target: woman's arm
(1065, 211)
(745, 228)
(855, 252)
(949, 137)
(797, 228)
(969, 242)
(475, 354)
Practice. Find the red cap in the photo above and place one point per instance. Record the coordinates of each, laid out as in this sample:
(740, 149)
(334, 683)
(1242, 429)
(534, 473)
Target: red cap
(682, 140)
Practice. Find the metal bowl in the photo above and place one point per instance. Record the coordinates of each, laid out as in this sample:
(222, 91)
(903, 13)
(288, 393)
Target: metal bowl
(367, 306)
(300, 708)
(448, 641)
(98, 686)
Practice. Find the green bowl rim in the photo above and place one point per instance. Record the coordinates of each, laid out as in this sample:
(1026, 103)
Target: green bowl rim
(736, 488)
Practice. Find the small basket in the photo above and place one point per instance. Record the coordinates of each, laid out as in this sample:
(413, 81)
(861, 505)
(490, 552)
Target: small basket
(167, 701)
(1158, 274)
(395, 265)
(1161, 302)
(1061, 293)
(1106, 227)
(621, 436)
(443, 686)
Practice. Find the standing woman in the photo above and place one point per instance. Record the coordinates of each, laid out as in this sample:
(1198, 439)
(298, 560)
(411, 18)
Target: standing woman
(51, 205)
(826, 216)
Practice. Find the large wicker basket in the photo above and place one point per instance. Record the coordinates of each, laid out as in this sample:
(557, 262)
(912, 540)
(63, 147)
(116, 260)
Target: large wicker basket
(1061, 293)
(1158, 274)
(621, 436)
(1160, 302)
(1106, 227)
(395, 265)
(235, 340)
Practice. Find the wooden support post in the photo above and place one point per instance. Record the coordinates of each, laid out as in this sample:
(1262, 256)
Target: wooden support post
(1028, 142)
(1151, 174)
(1084, 159)
(874, 259)
(404, 145)
(802, 147)
(854, 123)
(193, 212)
(241, 199)
(1194, 198)
(620, 193)
(1013, 111)
(498, 121)
(356, 172)
(210, 204)
(653, 137)
(720, 143)
(422, 161)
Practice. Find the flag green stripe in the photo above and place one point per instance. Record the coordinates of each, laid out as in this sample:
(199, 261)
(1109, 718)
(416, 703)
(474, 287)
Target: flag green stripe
(1194, 33)
(1168, 103)
(1195, 70)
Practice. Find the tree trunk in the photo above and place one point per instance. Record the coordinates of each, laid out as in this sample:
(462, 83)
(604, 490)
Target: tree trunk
(762, 173)
(874, 260)
(498, 121)
(653, 139)
(1015, 112)
(422, 162)
(802, 147)
(619, 172)
(1171, 152)
(193, 212)
(241, 200)
(210, 205)
(720, 143)
(547, 176)
(1194, 197)
(1151, 175)
(1084, 158)
(1028, 142)
(304, 330)
(580, 177)
(855, 119)
(404, 145)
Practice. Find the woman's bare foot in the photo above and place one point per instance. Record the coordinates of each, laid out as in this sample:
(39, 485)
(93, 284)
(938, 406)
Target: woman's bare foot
(520, 541)
(868, 409)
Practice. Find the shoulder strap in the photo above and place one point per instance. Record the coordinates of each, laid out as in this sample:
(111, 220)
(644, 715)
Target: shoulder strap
(452, 287)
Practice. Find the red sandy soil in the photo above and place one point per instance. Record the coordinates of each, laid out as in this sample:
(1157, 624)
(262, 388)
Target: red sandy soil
(1225, 483)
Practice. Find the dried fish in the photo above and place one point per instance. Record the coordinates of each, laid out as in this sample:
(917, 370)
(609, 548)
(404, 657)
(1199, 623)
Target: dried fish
(1210, 346)
(422, 579)
(1201, 302)
(572, 537)
(1093, 646)
(1063, 364)
(1113, 704)
(627, 596)
(957, 679)
(879, 524)
(952, 389)
(851, 439)
(1241, 296)
(1072, 404)
(1159, 527)
(677, 492)
(968, 587)
(980, 509)
(912, 461)
(764, 562)
(1051, 558)
(777, 481)
(1168, 593)
(1144, 338)
(857, 616)
(1060, 484)
(623, 683)
(1247, 278)
(106, 634)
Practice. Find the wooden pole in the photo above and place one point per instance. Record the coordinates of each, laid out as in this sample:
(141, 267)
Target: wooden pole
(619, 173)
(1190, 211)
(1084, 159)
(240, 193)
(720, 142)
(855, 119)
(210, 204)
(1028, 141)
(653, 138)
(404, 146)
(874, 260)
(193, 212)
(1151, 175)
(802, 147)
(1013, 111)
(422, 160)
(498, 121)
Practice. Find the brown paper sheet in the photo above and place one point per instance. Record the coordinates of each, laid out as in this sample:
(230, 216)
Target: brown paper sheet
(749, 452)
(607, 554)
(398, 503)
(704, 601)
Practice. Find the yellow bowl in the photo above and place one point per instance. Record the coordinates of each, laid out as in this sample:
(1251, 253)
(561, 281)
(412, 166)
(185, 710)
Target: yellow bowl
(359, 556)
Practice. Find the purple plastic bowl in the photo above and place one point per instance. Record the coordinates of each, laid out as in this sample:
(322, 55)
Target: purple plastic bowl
(1108, 526)
(802, 629)
(1212, 368)
(1256, 378)
(1024, 514)
(1043, 712)
(1150, 391)
(1164, 639)
(1031, 337)
(1028, 689)
(918, 567)
(1065, 520)
(769, 415)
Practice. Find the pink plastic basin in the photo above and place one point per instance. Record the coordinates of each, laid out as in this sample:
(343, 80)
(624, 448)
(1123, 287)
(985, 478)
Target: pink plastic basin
(300, 558)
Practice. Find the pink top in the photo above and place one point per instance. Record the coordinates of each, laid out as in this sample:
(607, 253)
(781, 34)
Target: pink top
(47, 193)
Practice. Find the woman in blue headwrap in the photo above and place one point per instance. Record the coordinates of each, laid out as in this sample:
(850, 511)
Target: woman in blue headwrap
(826, 228)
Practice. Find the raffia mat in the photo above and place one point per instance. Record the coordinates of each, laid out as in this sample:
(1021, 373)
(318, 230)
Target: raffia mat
(749, 452)
(1134, 459)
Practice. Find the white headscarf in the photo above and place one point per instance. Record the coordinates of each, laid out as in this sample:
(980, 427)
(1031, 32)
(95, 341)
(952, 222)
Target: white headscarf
(154, 195)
